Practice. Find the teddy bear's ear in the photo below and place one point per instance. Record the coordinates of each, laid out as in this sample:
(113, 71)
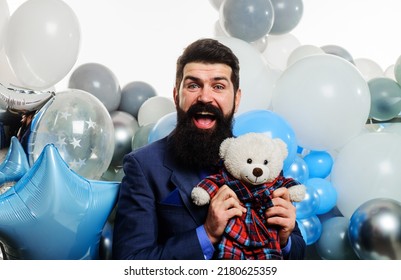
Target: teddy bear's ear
(283, 147)
(224, 146)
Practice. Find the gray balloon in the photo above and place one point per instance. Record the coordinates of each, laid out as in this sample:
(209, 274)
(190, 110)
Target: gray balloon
(133, 95)
(248, 20)
(287, 15)
(375, 230)
(141, 137)
(334, 243)
(338, 51)
(98, 80)
(125, 127)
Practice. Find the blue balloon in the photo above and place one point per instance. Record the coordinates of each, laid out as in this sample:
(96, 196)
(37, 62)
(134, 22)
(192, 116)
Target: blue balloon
(319, 163)
(309, 205)
(54, 213)
(163, 127)
(326, 192)
(312, 228)
(15, 164)
(270, 123)
(298, 170)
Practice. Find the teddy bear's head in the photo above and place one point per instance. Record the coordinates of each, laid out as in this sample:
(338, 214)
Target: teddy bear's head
(254, 158)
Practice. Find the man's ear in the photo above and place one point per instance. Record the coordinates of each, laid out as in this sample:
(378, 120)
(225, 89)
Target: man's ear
(175, 96)
(237, 100)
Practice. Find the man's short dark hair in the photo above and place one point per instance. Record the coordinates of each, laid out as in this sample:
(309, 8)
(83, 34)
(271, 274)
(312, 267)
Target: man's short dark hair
(208, 51)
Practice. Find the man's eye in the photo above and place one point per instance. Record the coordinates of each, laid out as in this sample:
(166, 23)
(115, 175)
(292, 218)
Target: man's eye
(193, 86)
(219, 87)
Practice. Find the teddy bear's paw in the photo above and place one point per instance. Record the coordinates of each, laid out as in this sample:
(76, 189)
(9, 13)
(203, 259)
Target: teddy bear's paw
(200, 196)
(297, 193)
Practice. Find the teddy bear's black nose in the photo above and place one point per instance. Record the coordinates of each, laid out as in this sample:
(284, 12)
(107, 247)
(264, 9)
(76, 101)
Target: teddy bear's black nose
(257, 172)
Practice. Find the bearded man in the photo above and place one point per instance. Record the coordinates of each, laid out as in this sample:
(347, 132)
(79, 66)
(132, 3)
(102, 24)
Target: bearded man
(155, 217)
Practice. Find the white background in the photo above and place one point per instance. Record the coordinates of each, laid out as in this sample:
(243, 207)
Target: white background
(140, 40)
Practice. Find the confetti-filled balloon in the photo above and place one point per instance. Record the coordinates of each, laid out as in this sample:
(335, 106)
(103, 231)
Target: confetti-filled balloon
(79, 125)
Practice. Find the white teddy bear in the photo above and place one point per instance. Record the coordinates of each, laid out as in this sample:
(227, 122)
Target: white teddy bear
(253, 168)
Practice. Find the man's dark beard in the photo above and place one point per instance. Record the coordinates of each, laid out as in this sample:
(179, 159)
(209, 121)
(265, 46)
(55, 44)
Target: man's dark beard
(194, 147)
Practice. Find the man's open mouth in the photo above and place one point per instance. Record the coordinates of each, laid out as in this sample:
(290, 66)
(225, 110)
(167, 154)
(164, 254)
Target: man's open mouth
(204, 120)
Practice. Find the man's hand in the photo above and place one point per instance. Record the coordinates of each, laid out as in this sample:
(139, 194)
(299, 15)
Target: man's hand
(223, 206)
(282, 214)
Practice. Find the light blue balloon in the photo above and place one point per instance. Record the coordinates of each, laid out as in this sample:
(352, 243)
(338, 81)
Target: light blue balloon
(319, 163)
(271, 124)
(287, 15)
(15, 163)
(334, 243)
(298, 170)
(163, 127)
(312, 228)
(54, 213)
(326, 192)
(309, 205)
(385, 98)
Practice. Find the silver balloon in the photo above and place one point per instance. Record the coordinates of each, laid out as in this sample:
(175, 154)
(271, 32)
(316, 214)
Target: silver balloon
(23, 100)
(375, 230)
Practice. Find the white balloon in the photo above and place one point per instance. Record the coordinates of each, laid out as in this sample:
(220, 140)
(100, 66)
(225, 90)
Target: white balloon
(367, 167)
(325, 99)
(257, 79)
(4, 17)
(369, 68)
(389, 72)
(279, 47)
(303, 51)
(154, 108)
(42, 42)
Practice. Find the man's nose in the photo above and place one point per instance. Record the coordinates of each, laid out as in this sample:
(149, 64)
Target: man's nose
(206, 95)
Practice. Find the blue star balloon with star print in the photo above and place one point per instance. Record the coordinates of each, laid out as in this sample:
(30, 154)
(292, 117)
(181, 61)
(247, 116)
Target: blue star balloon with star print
(81, 128)
(53, 213)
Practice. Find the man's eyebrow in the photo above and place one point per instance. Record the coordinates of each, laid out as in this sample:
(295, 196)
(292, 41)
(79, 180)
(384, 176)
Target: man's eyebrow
(193, 78)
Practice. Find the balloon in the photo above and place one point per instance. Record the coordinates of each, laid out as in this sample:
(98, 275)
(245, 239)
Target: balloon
(309, 205)
(21, 100)
(53, 213)
(4, 17)
(42, 42)
(326, 192)
(7, 76)
(141, 137)
(287, 15)
(248, 20)
(216, 3)
(106, 242)
(270, 123)
(301, 52)
(163, 127)
(369, 68)
(279, 48)
(154, 108)
(397, 70)
(257, 79)
(367, 168)
(334, 85)
(312, 229)
(298, 170)
(133, 95)
(125, 126)
(389, 72)
(385, 98)
(375, 230)
(334, 243)
(113, 173)
(14, 165)
(80, 127)
(338, 51)
(319, 164)
(98, 80)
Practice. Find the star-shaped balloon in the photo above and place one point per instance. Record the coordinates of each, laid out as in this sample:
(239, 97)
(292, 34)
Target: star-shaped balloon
(15, 164)
(54, 213)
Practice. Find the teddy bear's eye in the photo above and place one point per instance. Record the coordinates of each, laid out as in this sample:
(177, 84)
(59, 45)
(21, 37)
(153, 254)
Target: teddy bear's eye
(249, 161)
(265, 162)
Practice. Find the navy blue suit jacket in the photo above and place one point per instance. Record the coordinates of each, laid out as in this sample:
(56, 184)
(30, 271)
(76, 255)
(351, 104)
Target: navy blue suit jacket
(155, 217)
